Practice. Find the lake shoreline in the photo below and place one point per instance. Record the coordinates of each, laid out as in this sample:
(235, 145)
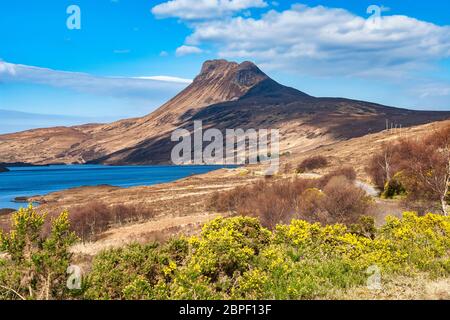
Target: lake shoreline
(180, 206)
(95, 176)
(24, 164)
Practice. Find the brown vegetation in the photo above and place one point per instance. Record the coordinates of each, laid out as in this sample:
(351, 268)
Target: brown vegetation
(422, 166)
(343, 201)
(6, 211)
(347, 172)
(312, 163)
(89, 220)
(331, 199)
(93, 218)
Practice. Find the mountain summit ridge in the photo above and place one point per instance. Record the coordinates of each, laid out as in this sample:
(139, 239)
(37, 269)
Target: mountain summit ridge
(225, 95)
(218, 81)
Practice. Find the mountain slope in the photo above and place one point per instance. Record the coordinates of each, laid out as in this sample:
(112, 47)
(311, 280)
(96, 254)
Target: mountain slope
(224, 95)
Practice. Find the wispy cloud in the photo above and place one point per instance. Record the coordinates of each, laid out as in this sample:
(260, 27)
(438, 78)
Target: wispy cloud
(433, 89)
(166, 79)
(130, 87)
(7, 68)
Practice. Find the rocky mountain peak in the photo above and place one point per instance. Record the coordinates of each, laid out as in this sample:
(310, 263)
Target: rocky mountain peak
(218, 81)
(244, 75)
(212, 67)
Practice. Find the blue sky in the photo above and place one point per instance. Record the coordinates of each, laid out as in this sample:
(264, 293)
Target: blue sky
(131, 56)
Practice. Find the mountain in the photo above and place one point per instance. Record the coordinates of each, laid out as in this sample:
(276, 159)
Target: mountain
(224, 95)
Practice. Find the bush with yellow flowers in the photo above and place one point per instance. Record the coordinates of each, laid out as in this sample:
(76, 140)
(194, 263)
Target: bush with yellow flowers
(236, 258)
(227, 246)
(35, 260)
(135, 271)
(424, 241)
(219, 262)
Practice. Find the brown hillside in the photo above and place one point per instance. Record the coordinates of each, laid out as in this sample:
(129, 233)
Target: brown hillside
(224, 95)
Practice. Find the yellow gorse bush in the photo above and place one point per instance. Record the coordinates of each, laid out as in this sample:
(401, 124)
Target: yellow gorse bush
(236, 258)
(425, 241)
(413, 239)
(37, 259)
(227, 245)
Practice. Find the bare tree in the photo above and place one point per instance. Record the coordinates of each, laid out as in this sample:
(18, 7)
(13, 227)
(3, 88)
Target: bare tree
(424, 164)
(433, 179)
(381, 166)
(444, 203)
(441, 141)
(428, 168)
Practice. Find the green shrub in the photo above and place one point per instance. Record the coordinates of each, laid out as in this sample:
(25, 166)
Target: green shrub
(236, 258)
(393, 188)
(365, 227)
(134, 271)
(36, 264)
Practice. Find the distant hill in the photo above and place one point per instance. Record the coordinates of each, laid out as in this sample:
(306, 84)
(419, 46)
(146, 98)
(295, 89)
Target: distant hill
(224, 95)
(15, 120)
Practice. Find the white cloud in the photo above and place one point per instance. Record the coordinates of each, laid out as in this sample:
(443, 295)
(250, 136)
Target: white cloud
(203, 9)
(137, 87)
(432, 94)
(7, 68)
(167, 79)
(185, 50)
(326, 41)
(434, 89)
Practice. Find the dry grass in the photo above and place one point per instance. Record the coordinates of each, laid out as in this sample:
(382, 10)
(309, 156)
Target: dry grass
(5, 219)
(159, 229)
(357, 152)
(420, 287)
